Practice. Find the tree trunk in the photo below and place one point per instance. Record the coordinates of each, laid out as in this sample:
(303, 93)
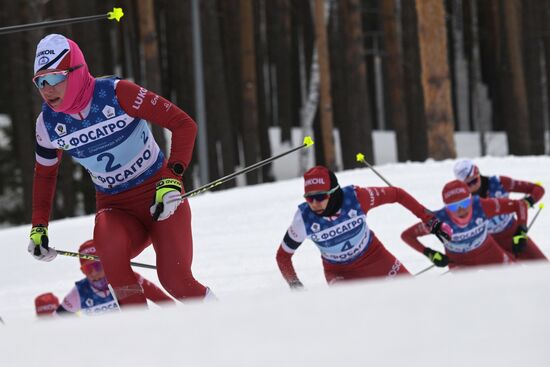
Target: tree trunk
(413, 87)
(220, 124)
(325, 106)
(262, 80)
(490, 55)
(338, 76)
(250, 106)
(436, 79)
(131, 67)
(148, 43)
(458, 64)
(231, 29)
(281, 51)
(546, 41)
(532, 49)
(393, 72)
(179, 65)
(356, 132)
(517, 120)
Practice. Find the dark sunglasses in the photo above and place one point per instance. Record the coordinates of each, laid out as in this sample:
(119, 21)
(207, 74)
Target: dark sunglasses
(53, 78)
(320, 196)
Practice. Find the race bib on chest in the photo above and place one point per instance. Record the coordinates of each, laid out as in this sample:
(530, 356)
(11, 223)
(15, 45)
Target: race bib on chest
(118, 151)
(92, 303)
(470, 237)
(501, 222)
(343, 238)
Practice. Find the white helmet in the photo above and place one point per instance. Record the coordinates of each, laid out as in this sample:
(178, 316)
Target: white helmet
(464, 169)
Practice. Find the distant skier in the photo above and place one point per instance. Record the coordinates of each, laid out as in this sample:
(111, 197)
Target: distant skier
(103, 124)
(92, 296)
(46, 304)
(504, 227)
(335, 219)
(470, 243)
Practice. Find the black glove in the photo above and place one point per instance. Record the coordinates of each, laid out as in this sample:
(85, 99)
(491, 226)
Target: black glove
(440, 229)
(530, 201)
(436, 257)
(295, 284)
(519, 240)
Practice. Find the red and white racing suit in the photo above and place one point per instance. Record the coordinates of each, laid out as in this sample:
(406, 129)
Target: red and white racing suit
(124, 226)
(372, 259)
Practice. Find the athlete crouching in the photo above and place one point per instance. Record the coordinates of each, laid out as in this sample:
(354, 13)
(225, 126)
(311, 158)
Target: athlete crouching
(335, 219)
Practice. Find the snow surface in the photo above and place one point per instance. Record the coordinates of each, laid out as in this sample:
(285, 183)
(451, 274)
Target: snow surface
(490, 317)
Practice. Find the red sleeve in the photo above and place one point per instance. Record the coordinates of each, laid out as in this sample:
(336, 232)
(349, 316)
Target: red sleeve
(371, 197)
(43, 190)
(139, 102)
(152, 292)
(511, 185)
(284, 261)
(411, 234)
(494, 206)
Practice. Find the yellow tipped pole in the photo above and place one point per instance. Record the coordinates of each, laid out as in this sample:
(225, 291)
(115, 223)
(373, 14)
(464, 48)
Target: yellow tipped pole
(541, 206)
(361, 158)
(308, 141)
(116, 14)
(96, 258)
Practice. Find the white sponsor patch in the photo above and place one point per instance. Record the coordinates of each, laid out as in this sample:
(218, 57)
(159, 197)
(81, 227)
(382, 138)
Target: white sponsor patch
(61, 129)
(315, 227)
(108, 111)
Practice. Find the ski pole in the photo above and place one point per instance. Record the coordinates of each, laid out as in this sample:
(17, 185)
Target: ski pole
(524, 235)
(116, 14)
(361, 158)
(541, 205)
(425, 270)
(96, 258)
(209, 186)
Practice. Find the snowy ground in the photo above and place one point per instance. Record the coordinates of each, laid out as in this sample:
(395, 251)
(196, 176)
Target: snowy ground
(494, 317)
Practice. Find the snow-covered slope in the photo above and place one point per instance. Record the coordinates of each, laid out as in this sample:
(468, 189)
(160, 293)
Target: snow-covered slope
(490, 317)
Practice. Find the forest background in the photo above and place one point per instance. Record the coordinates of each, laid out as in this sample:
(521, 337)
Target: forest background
(423, 69)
